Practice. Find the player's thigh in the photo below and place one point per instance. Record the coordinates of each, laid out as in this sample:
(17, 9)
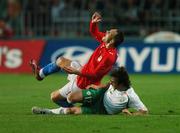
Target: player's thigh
(71, 86)
(65, 90)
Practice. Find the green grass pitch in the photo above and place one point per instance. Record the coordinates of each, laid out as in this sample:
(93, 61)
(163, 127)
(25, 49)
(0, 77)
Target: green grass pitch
(18, 93)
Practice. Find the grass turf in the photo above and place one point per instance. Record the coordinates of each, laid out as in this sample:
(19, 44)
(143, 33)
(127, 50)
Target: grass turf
(18, 93)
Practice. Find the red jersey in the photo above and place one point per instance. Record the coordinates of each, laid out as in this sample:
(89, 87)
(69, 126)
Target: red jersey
(100, 62)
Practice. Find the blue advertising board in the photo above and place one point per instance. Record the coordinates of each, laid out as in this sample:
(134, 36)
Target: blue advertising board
(137, 57)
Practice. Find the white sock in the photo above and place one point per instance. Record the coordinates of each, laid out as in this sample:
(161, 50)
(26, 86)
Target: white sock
(60, 110)
(41, 74)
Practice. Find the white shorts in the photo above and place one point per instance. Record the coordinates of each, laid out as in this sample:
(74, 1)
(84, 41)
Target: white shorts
(71, 86)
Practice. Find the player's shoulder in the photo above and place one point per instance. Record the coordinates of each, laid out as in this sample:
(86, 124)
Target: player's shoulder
(131, 89)
(110, 88)
(131, 92)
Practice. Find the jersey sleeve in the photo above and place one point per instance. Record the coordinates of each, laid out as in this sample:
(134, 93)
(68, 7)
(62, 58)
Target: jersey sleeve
(134, 101)
(94, 30)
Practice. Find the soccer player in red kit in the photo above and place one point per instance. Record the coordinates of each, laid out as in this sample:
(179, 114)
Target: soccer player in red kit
(99, 64)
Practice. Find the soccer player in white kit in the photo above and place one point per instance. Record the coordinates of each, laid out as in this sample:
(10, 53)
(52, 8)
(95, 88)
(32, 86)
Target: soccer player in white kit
(115, 97)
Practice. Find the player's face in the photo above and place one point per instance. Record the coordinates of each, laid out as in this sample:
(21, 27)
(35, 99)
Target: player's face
(110, 34)
(114, 82)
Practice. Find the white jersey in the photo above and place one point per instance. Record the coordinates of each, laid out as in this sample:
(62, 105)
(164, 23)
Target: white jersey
(134, 100)
(115, 101)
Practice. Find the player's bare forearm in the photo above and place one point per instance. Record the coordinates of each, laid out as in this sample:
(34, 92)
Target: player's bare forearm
(101, 86)
(105, 86)
(126, 112)
(138, 113)
(96, 17)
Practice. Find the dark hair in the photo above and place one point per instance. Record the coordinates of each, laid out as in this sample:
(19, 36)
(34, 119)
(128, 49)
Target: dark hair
(121, 75)
(119, 38)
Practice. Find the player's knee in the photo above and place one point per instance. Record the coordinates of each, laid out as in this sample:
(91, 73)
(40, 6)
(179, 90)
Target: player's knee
(54, 96)
(59, 61)
(71, 98)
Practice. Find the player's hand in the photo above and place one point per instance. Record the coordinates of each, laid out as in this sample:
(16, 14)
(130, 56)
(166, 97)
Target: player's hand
(96, 17)
(101, 86)
(92, 86)
(126, 112)
(71, 70)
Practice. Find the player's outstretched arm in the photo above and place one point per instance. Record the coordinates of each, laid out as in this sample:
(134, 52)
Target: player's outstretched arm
(140, 112)
(96, 18)
(94, 30)
(137, 113)
(101, 86)
(126, 112)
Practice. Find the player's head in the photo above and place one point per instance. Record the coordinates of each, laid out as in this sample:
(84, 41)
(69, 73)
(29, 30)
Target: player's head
(120, 78)
(113, 38)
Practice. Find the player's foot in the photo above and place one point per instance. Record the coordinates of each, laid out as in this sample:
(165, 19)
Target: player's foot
(38, 110)
(35, 69)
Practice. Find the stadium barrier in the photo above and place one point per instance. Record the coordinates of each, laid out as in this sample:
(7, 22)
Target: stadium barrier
(137, 57)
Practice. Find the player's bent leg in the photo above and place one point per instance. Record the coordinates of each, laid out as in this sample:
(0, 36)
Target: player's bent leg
(74, 97)
(60, 100)
(35, 69)
(56, 111)
(66, 111)
(62, 62)
(41, 73)
(54, 67)
(49, 69)
(56, 96)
